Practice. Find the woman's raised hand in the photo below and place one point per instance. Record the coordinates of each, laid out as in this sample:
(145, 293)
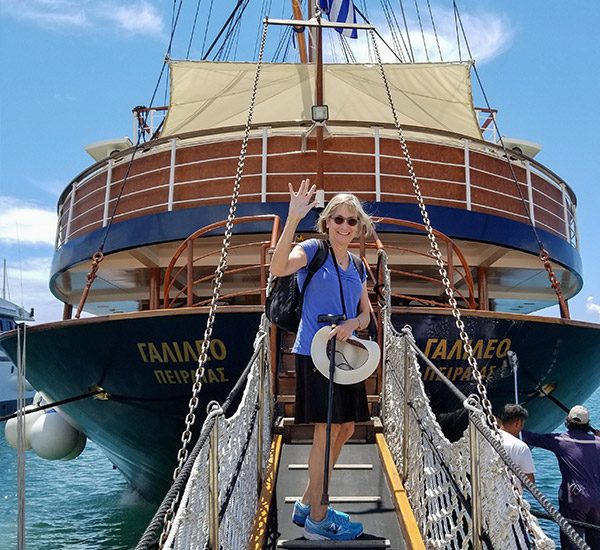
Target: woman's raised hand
(301, 202)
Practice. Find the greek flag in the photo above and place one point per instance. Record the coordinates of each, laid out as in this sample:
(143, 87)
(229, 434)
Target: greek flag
(340, 11)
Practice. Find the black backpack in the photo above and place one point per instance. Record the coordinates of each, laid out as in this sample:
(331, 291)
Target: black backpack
(284, 303)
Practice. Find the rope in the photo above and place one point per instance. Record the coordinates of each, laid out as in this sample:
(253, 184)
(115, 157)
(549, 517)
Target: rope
(383, 40)
(93, 393)
(190, 418)
(437, 40)
(544, 256)
(531, 487)
(412, 53)
(544, 515)
(164, 515)
(165, 512)
(422, 32)
(223, 28)
(21, 349)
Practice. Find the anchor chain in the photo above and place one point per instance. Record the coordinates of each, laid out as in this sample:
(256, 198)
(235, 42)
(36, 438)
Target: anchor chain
(91, 276)
(435, 252)
(555, 283)
(186, 436)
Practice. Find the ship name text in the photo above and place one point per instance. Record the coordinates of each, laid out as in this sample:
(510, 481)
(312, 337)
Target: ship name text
(441, 349)
(167, 355)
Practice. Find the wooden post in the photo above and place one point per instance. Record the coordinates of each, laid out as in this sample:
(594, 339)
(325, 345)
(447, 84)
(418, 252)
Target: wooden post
(482, 288)
(154, 298)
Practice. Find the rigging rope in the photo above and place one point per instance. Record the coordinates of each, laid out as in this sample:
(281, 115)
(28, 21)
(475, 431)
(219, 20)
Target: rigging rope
(21, 372)
(99, 255)
(412, 53)
(435, 252)
(193, 31)
(225, 26)
(206, 28)
(422, 31)
(437, 40)
(182, 455)
(544, 255)
(393, 25)
(383, 40)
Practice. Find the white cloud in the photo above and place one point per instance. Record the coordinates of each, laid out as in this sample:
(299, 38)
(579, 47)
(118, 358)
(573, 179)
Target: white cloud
(47, 13)
(28, 287)
(488, 34)
(592, 306)
(140, 17)
(26, 223)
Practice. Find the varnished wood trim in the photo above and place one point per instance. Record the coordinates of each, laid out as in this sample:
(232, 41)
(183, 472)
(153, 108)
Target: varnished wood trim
(260, 527)
(404, 511)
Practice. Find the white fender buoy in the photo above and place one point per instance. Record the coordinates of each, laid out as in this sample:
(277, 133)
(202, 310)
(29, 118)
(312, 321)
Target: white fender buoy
(80, 445)
(52, 437)
(10, 428)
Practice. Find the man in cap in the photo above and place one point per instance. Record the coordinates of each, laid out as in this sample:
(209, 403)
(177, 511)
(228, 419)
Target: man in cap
(578, 453)
(513, 421)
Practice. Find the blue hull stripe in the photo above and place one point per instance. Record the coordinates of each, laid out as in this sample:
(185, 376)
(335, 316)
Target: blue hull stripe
(177, 225)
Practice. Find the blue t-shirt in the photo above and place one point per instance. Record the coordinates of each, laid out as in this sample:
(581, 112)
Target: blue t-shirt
(322, 295)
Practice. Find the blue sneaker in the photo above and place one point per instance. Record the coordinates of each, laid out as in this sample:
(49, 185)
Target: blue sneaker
(302, 511)
(331, 528)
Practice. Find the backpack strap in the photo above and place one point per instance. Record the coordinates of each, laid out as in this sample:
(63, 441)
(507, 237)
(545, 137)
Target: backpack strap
(358, 264)
(315, 264)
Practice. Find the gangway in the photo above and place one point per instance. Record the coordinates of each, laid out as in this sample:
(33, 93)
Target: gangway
(361, 488)
(400, 476)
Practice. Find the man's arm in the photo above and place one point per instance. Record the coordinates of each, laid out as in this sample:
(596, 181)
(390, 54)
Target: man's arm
(543, 441)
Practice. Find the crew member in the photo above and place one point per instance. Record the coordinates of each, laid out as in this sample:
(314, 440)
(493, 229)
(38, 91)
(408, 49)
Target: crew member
(578, 454)
(513, 421)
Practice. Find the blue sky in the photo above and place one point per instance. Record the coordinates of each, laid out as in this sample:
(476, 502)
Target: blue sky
(73, 69)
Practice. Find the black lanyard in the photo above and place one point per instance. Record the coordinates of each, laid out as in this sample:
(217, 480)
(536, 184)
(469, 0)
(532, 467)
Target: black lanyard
(337, 269)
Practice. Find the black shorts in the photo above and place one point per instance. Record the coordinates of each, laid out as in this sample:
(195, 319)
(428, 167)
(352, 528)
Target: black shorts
(312, 392)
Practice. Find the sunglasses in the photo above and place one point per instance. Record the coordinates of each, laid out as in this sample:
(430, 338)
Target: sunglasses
(339, 220)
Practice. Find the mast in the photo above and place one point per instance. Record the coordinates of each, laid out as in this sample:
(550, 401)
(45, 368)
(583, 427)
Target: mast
(319, 101)
(297, 10)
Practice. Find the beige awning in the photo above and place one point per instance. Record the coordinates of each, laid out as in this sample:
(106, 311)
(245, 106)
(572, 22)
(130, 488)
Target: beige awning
(209, 95)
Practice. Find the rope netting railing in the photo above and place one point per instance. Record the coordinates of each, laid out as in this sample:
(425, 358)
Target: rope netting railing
(222, 482)
(463, 494)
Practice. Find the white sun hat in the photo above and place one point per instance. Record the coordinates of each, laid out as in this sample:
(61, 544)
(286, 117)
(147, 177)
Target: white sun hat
(355, 359)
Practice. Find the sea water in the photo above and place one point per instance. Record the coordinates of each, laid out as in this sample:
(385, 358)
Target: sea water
(82, 504)
(85, 504)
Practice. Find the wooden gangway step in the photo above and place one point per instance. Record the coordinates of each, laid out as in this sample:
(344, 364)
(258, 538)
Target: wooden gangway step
(364, 543)
(358, 487)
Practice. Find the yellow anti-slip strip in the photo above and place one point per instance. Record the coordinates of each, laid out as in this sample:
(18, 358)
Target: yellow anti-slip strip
(408, 523)
(263, 508)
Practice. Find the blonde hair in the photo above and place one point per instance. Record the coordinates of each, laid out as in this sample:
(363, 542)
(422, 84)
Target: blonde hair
(346, 199)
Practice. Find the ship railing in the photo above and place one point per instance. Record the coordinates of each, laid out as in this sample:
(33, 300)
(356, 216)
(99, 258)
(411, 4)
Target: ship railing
(186, 284)
(487, 123)
(459, 274)
(149, 119)
(184, 274)
(89, 201)
(213, 501)
(466, 493)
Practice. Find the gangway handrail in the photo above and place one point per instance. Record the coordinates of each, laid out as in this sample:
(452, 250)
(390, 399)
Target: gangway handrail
(413, 403)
